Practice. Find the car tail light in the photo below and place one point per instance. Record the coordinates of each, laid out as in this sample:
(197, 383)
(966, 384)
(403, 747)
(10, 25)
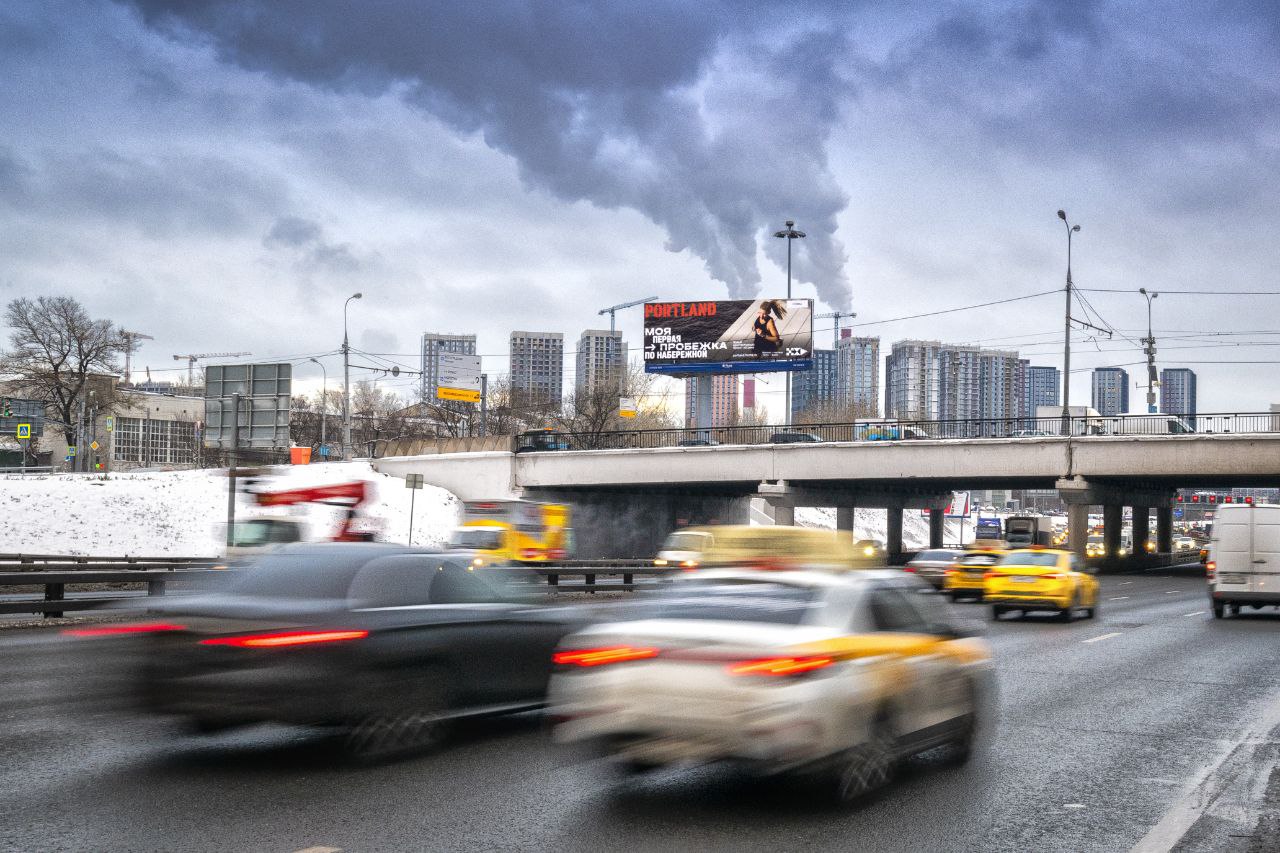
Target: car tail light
(781, 665)
(285, 638)
(911, 569)
(952, 572)
(602, 656)
(1053, 576)
(530, 553)
(113, 630)
(990, 575)
(1210, 568)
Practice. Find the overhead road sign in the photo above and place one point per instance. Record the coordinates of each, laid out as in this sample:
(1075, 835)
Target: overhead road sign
(735, 336)
(458, 377)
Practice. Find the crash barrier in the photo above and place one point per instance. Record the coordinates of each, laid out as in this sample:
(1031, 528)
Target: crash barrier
(30, 469)
(158, 562)
(592, 570)
(56, 577)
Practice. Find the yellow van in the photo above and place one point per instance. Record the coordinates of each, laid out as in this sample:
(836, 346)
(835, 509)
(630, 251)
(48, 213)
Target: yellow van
(776, 547)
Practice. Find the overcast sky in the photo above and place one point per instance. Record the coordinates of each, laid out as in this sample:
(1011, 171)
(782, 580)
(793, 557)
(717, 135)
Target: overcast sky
(223, 174)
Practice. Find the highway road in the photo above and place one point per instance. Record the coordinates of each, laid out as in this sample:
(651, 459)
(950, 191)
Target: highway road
(1153, 728)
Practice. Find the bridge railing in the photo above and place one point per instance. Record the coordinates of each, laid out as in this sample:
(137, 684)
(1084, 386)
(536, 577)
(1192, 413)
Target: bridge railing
(880, 429)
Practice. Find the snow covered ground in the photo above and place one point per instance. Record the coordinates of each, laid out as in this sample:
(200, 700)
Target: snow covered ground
(183, 513)
(873, 524)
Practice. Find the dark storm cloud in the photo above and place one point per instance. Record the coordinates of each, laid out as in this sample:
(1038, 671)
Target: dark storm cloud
(292, 231)
(621, 105)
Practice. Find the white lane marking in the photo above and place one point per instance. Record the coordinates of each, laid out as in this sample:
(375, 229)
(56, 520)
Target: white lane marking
(1073, 805)
(1103, 637)
(1125, 583)
(1202, 791)
(1118, 597)
(1196, 613)
(319, 850)
(1170, 592)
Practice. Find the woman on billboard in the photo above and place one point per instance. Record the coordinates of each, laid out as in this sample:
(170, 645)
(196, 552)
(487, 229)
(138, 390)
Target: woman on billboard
(767, 338)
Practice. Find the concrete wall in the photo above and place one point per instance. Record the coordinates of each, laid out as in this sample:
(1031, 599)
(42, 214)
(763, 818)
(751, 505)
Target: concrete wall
(424, 446)
(610, 524)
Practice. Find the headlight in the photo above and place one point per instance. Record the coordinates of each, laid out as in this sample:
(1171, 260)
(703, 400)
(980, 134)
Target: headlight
(659, 562)
(870, 552)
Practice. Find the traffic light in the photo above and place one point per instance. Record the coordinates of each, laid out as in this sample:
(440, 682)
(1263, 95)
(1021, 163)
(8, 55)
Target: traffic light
(1179, 497)
(1228, 499)
(6, 409)
(1248, 499)
(1213, 499)
(1195, 499)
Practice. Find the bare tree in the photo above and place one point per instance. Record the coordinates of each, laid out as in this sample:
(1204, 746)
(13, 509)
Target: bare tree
(593, 414)
(834, 412)
(55, 350)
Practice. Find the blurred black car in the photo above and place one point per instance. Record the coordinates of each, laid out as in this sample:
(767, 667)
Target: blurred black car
(384, 643)
(793, 438)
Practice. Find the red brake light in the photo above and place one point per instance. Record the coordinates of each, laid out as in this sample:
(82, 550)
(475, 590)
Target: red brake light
(601, 656)
(529, 553)
(285, 638)
(1210, 567)
(909, 569)
(781, 666)
(112, 630)
(989, 575)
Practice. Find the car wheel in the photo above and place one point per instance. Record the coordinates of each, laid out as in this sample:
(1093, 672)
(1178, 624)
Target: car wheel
(998, 610)
(1219, 610)
(415, 722)
(867, 767)
(960, 750)
(1067, 613)
(1092, 612)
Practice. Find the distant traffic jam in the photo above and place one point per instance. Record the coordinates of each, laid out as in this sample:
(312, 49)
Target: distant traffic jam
(789, 651)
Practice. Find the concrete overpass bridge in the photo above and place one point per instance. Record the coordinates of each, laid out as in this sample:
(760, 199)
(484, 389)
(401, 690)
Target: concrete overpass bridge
(647, 492)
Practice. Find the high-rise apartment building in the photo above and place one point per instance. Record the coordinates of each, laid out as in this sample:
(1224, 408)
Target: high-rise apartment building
(858, 374)
(929, 380)
(1110, 390)
(1042, 386)
(724, 401)
(432, 346)
(817, 387)
(537, 368)
(1178, 392)
(601, 362)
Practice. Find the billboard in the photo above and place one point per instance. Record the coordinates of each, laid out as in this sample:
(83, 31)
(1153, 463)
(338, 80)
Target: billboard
(263, 419)
(736, 336)
(959, 506)
(458, 377)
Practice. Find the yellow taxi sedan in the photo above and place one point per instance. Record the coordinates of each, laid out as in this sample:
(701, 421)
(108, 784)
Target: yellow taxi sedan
(1029, 579)
(966, 577)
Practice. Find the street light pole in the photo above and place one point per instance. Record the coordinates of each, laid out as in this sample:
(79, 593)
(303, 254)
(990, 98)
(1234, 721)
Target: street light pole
(1150, 347)
(789, 233)
(1066, 334)
(346, 380)
(324, 406)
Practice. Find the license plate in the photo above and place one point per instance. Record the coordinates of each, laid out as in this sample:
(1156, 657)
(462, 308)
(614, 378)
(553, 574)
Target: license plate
(1026, 578)
(1231, 579)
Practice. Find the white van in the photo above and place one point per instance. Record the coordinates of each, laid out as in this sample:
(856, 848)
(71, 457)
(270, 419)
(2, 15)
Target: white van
(1244, 558)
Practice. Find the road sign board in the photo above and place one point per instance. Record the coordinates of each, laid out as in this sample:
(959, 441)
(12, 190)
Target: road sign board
(413, 481)
(627, 407)
(111, 423)
(93, 445)
(324, 450)
(23, 431)
(71, 451)
(959, 506)
(458, 377)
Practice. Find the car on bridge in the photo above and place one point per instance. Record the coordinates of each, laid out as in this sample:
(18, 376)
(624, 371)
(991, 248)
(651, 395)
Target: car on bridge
(1032, 579)
(790, 437)
(381, 644)
(836, 677)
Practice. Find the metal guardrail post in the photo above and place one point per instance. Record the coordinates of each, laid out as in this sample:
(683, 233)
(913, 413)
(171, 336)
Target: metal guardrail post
(54, 592)
(155, 587)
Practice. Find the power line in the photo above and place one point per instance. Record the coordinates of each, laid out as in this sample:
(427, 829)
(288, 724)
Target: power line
(953, 310)
(1186, 292)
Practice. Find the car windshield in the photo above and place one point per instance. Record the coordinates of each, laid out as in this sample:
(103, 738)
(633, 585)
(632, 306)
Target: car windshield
(934, 556)
(477, 538)
(774, 603)
(1029, 559)
(261, 531)
(300, 575)
(978, 559)
(687, 542)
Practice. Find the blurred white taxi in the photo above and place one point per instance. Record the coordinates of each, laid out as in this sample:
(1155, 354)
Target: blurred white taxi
(839, 675)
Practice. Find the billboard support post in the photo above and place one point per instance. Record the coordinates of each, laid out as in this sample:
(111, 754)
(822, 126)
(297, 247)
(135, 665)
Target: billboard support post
(231, 470)
(789, 233)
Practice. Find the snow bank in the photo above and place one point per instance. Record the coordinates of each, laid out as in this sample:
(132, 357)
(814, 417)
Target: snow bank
(183, 513)
(874, 524)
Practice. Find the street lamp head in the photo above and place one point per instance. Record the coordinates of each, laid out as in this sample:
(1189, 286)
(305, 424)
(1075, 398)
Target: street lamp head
(791, 223)
(357, 296)
(1142, 290)
(1062, 214)
(1075, 227)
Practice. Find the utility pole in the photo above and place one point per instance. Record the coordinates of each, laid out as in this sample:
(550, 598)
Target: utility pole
(789, 234)
(231, 470)
(1066, 334)
(484, 403)
(346, 380)
(1149, 347)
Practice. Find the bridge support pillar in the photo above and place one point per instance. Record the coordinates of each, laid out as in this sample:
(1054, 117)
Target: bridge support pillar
(844, 518)
(784, 514)
(1164, 529)
(1112, 521)
(893, 535)
(1141, 529)
(1077, 528)
(937, 526)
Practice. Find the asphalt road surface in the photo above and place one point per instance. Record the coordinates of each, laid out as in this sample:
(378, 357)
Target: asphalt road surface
(1154, 727)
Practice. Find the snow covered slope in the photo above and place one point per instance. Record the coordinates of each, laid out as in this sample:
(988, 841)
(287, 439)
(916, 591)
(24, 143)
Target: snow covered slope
(183, 513)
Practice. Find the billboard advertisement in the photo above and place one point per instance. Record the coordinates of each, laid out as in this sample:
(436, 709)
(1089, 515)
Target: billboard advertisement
(458, 377)
(736, 336)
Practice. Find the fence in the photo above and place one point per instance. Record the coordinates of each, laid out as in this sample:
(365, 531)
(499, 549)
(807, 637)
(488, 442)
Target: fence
(1079, 426)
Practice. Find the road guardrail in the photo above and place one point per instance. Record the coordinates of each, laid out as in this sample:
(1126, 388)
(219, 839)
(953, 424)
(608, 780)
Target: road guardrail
(54, 602)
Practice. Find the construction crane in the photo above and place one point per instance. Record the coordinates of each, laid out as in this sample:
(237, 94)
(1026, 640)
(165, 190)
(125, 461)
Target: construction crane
(130, 343)
(836, 315)
(194, 357)
(613, 309)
